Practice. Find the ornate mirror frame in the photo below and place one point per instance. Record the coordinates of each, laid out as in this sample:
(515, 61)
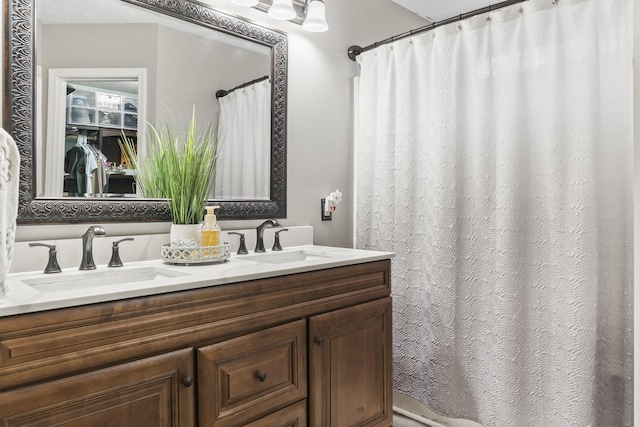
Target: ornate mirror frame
(19, 117)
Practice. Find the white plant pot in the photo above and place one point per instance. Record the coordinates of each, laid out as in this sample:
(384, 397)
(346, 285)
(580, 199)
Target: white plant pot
(185, 235)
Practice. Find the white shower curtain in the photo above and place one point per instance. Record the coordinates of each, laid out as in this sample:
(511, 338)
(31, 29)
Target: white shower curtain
(495, 158)
(244, 138)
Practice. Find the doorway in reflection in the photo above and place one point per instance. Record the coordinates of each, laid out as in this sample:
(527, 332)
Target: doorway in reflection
(98, 115)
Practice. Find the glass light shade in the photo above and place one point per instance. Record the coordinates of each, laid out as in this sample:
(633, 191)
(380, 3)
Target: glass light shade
(249, 3)
(315, 21)
(282, 9)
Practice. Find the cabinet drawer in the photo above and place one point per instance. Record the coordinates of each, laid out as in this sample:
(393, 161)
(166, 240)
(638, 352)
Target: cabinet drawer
(291, 416)
(245, 378)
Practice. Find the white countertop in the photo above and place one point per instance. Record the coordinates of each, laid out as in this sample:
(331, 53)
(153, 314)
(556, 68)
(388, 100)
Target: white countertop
(101, 285)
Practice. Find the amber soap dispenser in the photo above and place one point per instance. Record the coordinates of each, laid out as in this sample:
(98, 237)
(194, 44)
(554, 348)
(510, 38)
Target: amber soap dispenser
(210, 234)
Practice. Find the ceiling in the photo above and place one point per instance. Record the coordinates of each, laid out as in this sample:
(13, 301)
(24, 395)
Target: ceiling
(437, 10)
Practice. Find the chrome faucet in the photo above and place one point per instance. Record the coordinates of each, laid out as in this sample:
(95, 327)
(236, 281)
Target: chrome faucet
(260, 232)
(87, 247)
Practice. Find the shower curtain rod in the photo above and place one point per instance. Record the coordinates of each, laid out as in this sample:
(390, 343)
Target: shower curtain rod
(222, 92)
(356, 50)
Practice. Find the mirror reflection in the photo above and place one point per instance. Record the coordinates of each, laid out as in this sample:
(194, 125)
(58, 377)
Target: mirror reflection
(96, 114)
(106, 67)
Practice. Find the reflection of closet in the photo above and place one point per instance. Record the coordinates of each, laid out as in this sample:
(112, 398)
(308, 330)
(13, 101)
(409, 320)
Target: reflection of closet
(103, 117)
(83, 163)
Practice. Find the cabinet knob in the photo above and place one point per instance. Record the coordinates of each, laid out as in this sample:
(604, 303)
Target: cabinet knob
(187, 382)
(318, 340)
(262, 376)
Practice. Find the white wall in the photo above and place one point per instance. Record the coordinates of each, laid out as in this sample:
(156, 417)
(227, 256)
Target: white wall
(320, 143)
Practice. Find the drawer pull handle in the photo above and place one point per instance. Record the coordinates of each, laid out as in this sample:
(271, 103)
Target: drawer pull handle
(318, 340)
(262, 376)
(187, 382)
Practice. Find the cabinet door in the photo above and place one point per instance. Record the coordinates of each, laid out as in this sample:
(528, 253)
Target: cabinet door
(350, 366)
(151, 392)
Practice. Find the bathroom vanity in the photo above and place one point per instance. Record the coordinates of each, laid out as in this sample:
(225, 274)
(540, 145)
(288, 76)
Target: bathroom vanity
(281, 342)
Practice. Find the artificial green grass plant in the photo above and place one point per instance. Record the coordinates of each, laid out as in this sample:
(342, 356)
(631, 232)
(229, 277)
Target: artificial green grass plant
(179, 167)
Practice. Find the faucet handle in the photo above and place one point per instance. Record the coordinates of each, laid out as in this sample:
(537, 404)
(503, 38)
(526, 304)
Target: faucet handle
(115, 260)
(52, 265)
(242, 250)
(276, 243)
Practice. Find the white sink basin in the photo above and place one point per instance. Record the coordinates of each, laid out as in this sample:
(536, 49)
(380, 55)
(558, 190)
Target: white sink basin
(302, 255)
(97, 278)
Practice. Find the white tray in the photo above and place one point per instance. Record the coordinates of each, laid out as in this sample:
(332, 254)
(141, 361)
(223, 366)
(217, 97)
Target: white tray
(197, 255)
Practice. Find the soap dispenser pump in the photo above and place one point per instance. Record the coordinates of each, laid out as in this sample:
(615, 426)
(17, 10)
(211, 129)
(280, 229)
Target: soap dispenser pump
(210, 235)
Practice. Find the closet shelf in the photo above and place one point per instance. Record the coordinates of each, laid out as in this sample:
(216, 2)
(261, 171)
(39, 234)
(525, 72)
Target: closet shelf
(94, 108)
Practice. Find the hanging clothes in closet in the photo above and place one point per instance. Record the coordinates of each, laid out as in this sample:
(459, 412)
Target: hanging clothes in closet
(74, 164)
(85, 165)
(98, 176)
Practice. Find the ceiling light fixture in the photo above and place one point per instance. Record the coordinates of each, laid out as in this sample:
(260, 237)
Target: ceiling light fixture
(316, 21)
(282, 9)
(308, 13)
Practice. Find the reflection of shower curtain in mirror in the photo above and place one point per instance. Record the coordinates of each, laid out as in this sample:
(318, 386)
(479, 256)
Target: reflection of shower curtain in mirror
(243, 166)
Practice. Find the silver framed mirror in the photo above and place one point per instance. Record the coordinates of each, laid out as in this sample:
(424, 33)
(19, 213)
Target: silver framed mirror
(20, 120)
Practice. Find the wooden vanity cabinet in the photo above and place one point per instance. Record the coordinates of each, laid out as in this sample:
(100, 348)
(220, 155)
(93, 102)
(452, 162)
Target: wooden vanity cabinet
(303, 349)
